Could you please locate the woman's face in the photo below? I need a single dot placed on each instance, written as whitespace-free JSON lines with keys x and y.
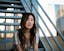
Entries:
{"x":30,"y":22}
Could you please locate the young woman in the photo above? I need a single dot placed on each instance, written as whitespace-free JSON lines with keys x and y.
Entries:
{"x":26,"y":37}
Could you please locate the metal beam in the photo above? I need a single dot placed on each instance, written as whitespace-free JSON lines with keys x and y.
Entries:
{"x":12,"y":11}
{"x":10,"y":6}
{"x":9,"y":1}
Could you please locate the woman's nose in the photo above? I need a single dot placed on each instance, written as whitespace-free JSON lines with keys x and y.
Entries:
{"x":29,"y":21}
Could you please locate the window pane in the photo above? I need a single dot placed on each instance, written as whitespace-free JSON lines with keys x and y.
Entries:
{"x":9,"y":35}
{"x":2,"y":28}
{"x":10,"y":28}
{"x":9,"y":21}
{"x":2,"y":20}
{"x":9,"y":14}
{"x":2,"y":14}
{"x":2,"y":35}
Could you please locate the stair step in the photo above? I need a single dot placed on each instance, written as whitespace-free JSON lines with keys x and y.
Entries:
{"x":39,"y":49}
{"x":10,"y":24}
{"x":7,"y":31}
{"x":10,"y":17}
{"x":10,"y":6}
{"x":12,"y":11}
{"x":9,"y":1}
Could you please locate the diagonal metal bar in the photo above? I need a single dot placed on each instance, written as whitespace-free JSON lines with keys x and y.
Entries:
{"x":27,"y":5}
{"x":59,"y":46}
{"x":50,"y":44}
{"x":24,"y":3}
{"x":51,"y":22}
{"x":43,"y":44}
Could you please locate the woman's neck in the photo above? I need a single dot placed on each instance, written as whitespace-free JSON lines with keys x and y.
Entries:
{"x":27,"y":31}
{"x":27,"y":34}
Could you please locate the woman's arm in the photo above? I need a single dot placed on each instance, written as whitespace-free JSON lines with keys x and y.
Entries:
{"x":36,"y":41}
{"x":35,"y":47}
{"x":18,"y":47}
{"x":17,"y":42}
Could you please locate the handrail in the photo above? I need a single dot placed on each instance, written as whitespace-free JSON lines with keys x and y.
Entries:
{"x":24,"y":3}
{"x":51,"y":21}
{"x":60,"y":48}
{"x":27,"y":5}
{"x":43,"y":44}
{"x":46,"y":38}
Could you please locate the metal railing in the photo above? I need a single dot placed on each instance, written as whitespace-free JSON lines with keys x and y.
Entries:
{"x":51,"y":21}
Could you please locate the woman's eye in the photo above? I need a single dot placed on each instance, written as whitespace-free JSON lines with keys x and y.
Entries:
{"x":32,"y":19}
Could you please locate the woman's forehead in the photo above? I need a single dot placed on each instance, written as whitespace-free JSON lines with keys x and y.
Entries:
{"x":30,"y":16}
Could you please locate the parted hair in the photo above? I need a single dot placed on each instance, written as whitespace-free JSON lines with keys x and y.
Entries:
{"x":21,"y":31}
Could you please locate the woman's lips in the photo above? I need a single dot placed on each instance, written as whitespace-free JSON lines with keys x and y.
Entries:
{"x":29,"y":25}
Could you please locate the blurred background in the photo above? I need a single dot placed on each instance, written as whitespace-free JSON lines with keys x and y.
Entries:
{"x":49,"y":16}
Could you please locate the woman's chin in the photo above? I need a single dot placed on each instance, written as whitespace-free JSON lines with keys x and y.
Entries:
{"x":29,"y":27}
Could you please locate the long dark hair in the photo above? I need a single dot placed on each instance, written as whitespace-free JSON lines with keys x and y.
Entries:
{"x":22,"y":30}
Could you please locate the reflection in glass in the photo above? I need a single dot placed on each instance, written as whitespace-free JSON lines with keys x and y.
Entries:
{"x":9,"y":35}
{"x":2,"y":35}
{"x":9,"y":14}
{"x":10,"y":28}
{"x":2,"y":14}
{"x":2,"y":20}
{"x":9,"y":21}
{"x":2,"y":28}
{"x":18,"y":14}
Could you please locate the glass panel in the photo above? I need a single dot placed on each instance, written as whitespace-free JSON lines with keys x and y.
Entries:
{"x":2,"y":14}
{"x":19,"y":20}
{"x":2,"y":20}
{"x":9,"y":21}
{"x":59,"y":9}
{"x":9,"y":14}
{"x":18,"y":14}
{"x":17,"y":27}
{"x":2,"y":35}
{"x":10,"y":28}
{"x":2,"y":28}
{"x":9,"y":35}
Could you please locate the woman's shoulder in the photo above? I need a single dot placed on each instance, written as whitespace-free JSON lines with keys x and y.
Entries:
{"x":18,"y":29}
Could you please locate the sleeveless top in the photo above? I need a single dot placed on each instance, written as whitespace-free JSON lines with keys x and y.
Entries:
{"x":26,"y":45}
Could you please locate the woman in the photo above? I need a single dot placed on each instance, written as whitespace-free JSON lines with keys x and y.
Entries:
{"x":27,"y":34}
